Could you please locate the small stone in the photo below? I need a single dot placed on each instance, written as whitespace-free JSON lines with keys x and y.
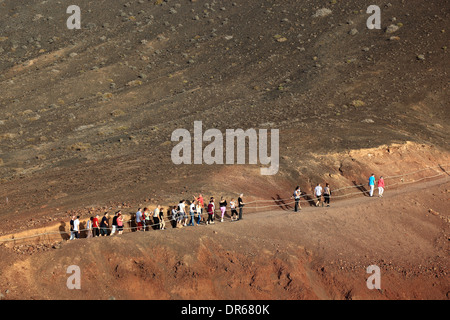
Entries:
{"x":392,"y":28}
{"x":420,"y":57}
{"x":353,"y":32}
{"x":322,"y":13}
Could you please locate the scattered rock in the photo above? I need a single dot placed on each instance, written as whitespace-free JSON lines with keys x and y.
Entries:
{"x":358,"y":103}
{"x":392,"y":28}
{"x":421,"y":57}
{"x":322,"y":13}
{"x":435,"y":213}
{"x":353,"y":32}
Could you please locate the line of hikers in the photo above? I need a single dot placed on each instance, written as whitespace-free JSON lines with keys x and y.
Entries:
{"x":190,"y":213}
{"x":320,"y":192}
{"x":186,"y":213}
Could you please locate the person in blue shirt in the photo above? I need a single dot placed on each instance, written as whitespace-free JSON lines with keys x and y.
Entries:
{"x":371,"y":184}
{"x":139,"y":223}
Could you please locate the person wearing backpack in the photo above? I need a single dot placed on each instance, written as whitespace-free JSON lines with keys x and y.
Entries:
{"x":296,"y":196}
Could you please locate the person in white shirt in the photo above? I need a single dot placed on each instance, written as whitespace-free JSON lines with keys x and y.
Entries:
{"x":233,"y":210}
{"x":192,"y":210}
{"x":297,"y":194}
{"x":198,"y":209}
{"x":183,"y":217}
{"x":318,"y":194}
{"x":76,"y":227}
{"x":156,"y":217}
{"x":175,"y":216}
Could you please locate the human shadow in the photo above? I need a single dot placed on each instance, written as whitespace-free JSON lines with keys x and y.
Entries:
{"x":132,"y":222}
{"x":311,"y":201}
{"x":83,"y":232}
{"x":281,"y":203}
{"x":62,"y":230}
{"x":361,"y":188}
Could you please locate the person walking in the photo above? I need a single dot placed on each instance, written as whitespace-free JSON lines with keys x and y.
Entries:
{"x":139,"y":220}
{"x":182,"y":212}
{"x":223,"y":207}
{"x":371,"y":184}
{"x":174,"y":216}
{"x":96,"y":226}
{"x":162,"y":223}
{"x":241,"y":205}
{"x":297,"y":195}
{"x":210,"y":212}
{"x":89,"y":228}
{"x":156,"y":217}
{"x":380,"y":186}
{"x":114,"y":224}
{"x":327,"y":194}
{"x":192,"y":211}
{"x":72,"y":233}
{"x":104,"y":225}
{"x":76,"y":227}
{"x":146,"y":219}
{"x":200,"y":201}
{"x":198,"y":210}
{"x":120,"y":222}
{"x":318,"y":194}
{"x":233,"y":210}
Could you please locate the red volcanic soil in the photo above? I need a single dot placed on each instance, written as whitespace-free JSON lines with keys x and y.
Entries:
{"x":86,"y":124}
{"x":318,"y":253}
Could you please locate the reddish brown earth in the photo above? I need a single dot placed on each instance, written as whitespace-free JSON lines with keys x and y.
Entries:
{"x":86,"y":118}
{"x":318,"y":253}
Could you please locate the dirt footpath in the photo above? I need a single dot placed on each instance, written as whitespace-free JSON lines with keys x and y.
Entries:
{"x":318,"y":253}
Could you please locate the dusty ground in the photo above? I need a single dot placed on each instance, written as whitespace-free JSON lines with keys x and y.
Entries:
{"x":86,"y":118}
{"x":318,"y":253}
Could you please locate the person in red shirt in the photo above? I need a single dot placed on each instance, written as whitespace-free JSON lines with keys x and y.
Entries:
{"x":200,"y":201}
{"x":380,"y":186}
{"x":96,"y":226}
{"x":210,"y":212}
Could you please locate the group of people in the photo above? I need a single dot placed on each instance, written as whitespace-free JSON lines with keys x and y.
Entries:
{"x":96,"y":227}
{"x":185,"y":213}
{"x":325,"y":192}
{"x":190,"y":213}
{"x":380,"y":184}
{"x":319,"y":192}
